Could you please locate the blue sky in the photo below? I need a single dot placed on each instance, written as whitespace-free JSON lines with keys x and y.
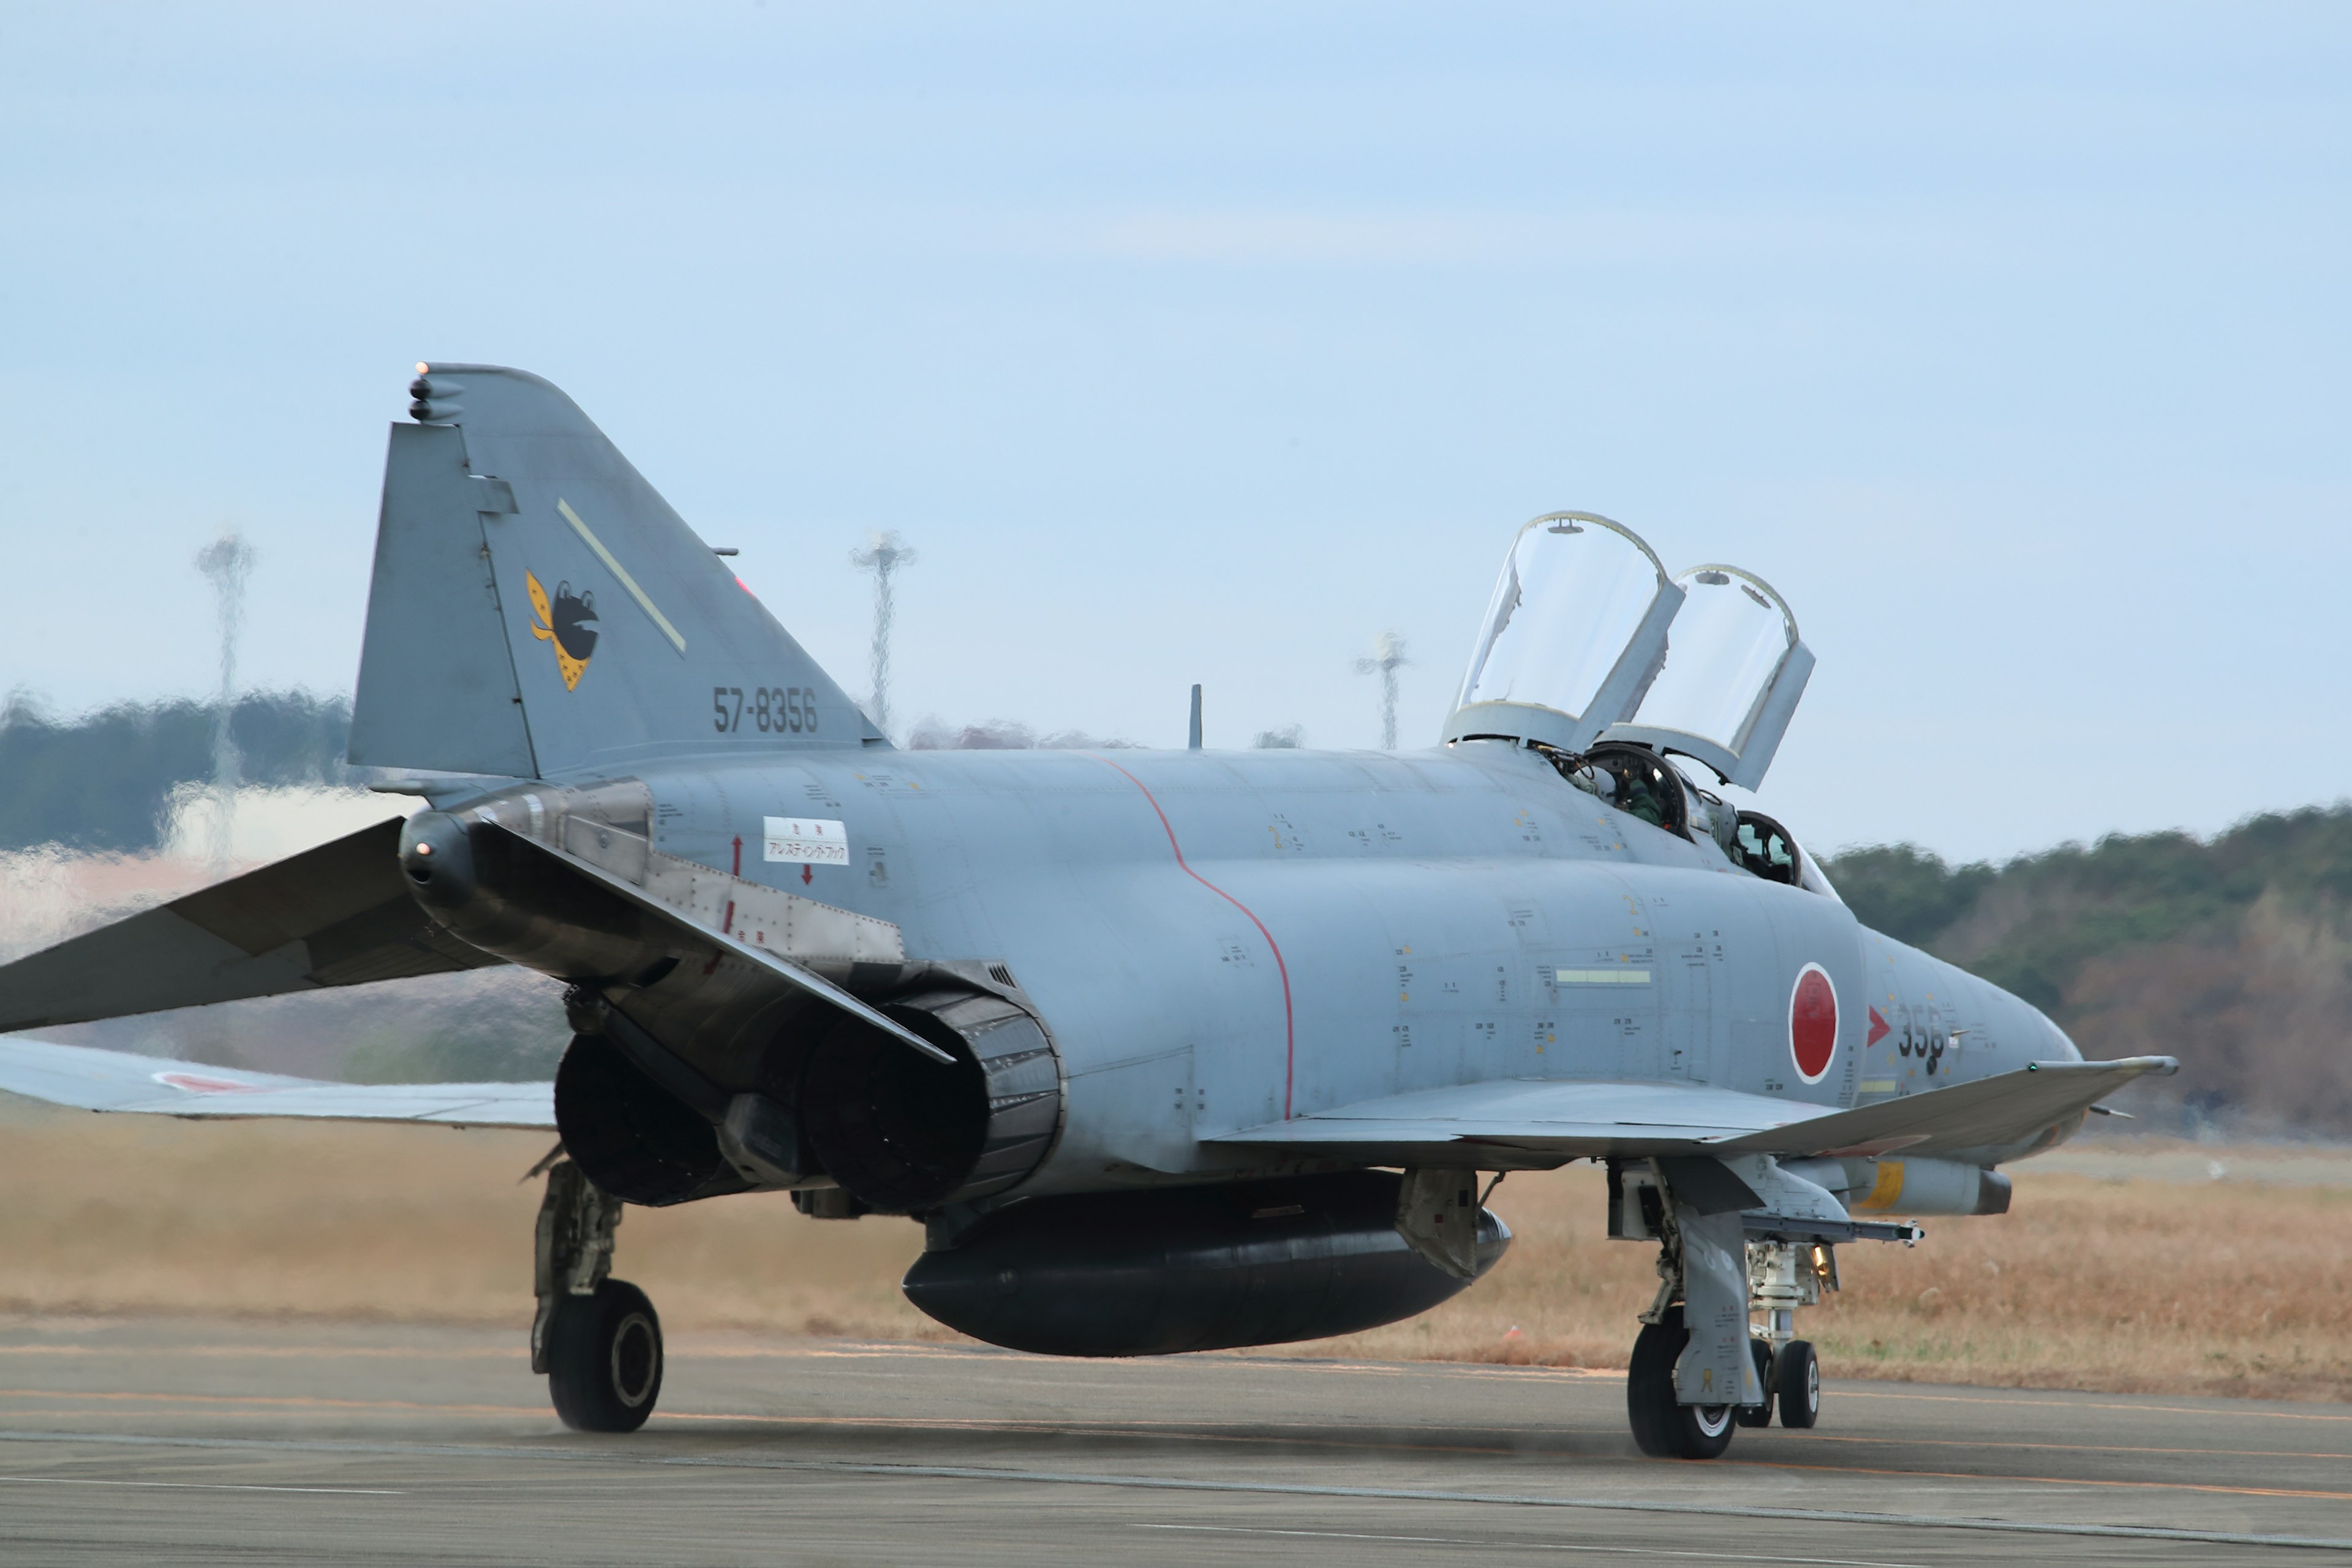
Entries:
{"x":2008,"y":343}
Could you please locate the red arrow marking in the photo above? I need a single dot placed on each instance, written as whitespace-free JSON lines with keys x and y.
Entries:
{"x":1878,"y":1027}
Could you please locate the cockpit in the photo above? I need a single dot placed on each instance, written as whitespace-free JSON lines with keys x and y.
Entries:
{"x":1631,"y":682}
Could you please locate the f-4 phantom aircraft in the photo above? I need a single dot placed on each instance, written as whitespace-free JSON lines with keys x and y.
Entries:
{"x":1168,"y":1050}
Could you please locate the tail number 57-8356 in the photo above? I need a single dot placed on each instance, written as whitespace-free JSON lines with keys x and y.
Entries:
{"x":773,"y":709}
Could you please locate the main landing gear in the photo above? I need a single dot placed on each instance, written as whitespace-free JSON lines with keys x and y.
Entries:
{"x":596,"y":1338}
{"x":1783,"y":1373}
{"x":1663,"y":1426}
{"x":1701,"y":1367}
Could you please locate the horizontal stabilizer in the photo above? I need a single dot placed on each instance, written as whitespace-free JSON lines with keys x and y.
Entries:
{"x":1523,"y":1121}
{"x":340,"y":914}
{"x":119,"y":1080}
{"x":786,"y":974}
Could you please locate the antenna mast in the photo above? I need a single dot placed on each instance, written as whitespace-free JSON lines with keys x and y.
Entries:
{"x":884,"y":555}
{"x":226,"y":561}
{"x":1388,"y":653}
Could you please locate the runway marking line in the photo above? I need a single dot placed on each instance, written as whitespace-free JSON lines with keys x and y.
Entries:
{"x":922,"y":1423}
{"x":882,"y":1351}
{"x":1168,"y":1429}
{"x":609,"y":1454}
{"x":272,"y":1353}
{"x":1055,"y":1428}
{"x":294,"y":1399}
{"x":197,"y":1486}
{"x":2037,"y":1480}
{"x":1534,"y":1545}
{"x":1910,"y":1442}
{"x":2092,"y":1402}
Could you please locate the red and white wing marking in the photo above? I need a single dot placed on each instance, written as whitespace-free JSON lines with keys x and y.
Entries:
{"x":121,"y":1080}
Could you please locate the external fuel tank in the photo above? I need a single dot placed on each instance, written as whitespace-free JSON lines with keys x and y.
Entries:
{"x":1191,"y":1268}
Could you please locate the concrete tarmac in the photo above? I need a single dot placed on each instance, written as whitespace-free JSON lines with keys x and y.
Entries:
{"x":202,"y":1441}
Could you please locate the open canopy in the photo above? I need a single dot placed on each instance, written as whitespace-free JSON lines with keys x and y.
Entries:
{"x":1573,"y":636}
{"x":1733,"y":675}
{"x":1575,"y":650}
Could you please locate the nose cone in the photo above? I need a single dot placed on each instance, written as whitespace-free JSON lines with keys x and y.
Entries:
{"x":437,"y":858}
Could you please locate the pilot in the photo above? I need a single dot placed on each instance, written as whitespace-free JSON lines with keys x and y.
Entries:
{"x":1637,"y":796}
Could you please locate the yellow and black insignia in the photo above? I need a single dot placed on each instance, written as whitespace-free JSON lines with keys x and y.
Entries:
{"x":570,"y":623}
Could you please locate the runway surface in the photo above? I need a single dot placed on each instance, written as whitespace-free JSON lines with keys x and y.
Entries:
{"x":198,"y":1442}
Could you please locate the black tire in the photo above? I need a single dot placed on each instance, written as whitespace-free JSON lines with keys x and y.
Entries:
{"x":604,"y":1359}
{"x":1797,"y":1384}
{"x":1760,"y":1414}
{"x":1650,"y":1387}
{"x":1664,"y":1428}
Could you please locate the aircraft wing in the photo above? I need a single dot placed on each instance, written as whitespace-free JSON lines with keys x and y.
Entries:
{"x":1517,"y":1122}
{"x":336,"y":915}
{"x":1569,"y":1117}
{"x":1983,"y":1113}
{"x":120,"y":1080}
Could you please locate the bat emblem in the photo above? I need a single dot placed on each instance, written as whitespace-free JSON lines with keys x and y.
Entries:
{"x":570,"y":623}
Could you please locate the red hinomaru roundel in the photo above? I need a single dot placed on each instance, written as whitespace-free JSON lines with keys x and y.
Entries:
{"x":1812,"y":1022}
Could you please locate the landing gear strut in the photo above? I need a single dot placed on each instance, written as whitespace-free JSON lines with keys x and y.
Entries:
{"x":1781,"y":1276}
{"x":596,"y":1338}
{"x":1692,"y":1369}
{"x":1701,"y":1367}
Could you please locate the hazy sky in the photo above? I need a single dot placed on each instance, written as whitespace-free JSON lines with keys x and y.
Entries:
{"x":2008,"y":343}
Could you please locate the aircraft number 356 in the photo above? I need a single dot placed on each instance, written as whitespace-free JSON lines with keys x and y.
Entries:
{"x":773,"y":709}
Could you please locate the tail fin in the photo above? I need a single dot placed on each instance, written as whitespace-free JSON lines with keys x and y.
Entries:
{"x":538,"y":608}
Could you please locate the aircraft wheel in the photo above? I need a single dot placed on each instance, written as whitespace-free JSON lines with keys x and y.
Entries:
{"x":604,"y":1359}
{"x":1760,"y":1414}
{"x":1797,"y":1381}
{"x":1663,"y":1428}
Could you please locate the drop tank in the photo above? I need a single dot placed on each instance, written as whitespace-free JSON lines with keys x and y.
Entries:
{"x":1193,"y":1269}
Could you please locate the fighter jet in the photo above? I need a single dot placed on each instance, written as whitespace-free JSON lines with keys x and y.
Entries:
{"x":1168,"y":1050}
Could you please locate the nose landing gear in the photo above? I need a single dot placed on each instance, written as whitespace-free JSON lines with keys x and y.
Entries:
{"x":596,"y":1338}
{"x":1796,"y":1384}
{"x":1783,"y":1276}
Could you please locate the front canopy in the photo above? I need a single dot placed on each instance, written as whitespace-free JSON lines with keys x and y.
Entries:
{"x":1573,"y":636}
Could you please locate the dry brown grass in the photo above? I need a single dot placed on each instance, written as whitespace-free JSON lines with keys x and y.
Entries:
{"x":144,"y":1215}
{"x":2092,"y":1282}
{"x":2133,"y":1286}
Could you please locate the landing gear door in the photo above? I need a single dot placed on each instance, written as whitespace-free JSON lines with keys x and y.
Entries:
{"x":1731,"y":679}
{"x":1574,"y":638}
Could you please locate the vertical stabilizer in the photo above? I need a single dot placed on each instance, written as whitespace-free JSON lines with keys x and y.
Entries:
{"x":538,"y":608}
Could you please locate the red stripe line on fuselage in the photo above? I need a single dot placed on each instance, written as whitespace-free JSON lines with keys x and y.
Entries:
{"x":1289,"y":1030}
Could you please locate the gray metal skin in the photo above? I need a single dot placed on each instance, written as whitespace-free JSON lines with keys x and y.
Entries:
{"x":1215,"y":941}
{"x":1222,"y":940}
{"x":1252,"y":963}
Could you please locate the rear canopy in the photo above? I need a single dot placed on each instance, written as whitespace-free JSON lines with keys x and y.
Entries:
{"x":1732,"y":676}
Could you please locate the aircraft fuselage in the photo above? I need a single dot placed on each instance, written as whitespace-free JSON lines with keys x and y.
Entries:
{"x":1218,"y":940}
